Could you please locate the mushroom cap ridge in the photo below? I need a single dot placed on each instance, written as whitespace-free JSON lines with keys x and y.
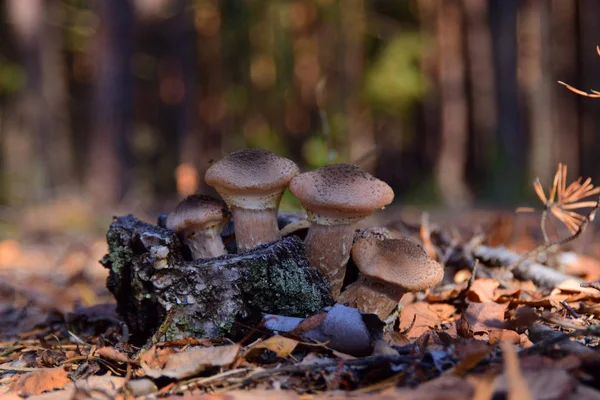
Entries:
{"x":253,"y":171}
{"x":197,"y":209}
{"x":398,"y":262}
{"x":341,"y":189}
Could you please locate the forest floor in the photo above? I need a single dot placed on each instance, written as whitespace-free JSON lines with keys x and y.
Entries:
{"x":465,"y":338}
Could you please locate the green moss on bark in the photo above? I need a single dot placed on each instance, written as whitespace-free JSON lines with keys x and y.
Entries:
{"x":285,"y":289}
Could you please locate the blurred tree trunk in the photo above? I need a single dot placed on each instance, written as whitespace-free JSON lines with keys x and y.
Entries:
{"x":452,"y":159}
{"x":565,"y":121}
{"x":589,"y":32}
{"x":510,"y":160}
{"x":429,"y":115}
{"x":107,"y":175}
{"x":329,"y":90}
{"x":46,"y":132}
{"x":299,"y":117}
{"x":535,"y":79}
{"x":176,"y":100}
{"x":360,"y":136}
{"x":481,"y":79}
{"x":211,"y":103}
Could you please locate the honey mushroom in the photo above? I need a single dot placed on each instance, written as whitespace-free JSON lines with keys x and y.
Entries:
{"x":388,"y":269}
{"x":336,"y":197}
{"x":252,"y":182}
{"x":198,"y":221}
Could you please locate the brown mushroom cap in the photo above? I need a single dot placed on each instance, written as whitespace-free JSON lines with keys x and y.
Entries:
{"x":251,"y":172}
{"x":198,"y":210}
{"x":397,"y":262}
{"x":339,"y":192}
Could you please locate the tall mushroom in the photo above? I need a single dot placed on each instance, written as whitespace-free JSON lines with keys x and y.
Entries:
{"x":198,"y":221}
{"x":387,"y":269}
{"x":252,"y":182}
{"x":335,"y":198}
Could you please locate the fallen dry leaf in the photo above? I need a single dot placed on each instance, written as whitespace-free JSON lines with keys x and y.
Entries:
{"x":574,"y":286}
{"x":110,"y":353}
{"x":483,"y":385}
{"x":11,"y":396}
{"x":244,"y":395}
{"x":427,"y":317}
{"x":445,"y":387}
{"x":542,"y":384}
{"x":396,"y":338}
{"x":40,"y":381}
{"x":504,"y":335}
{"x":581,"y":265}
{"x":470,"y":353}
{"x":482,"y":290}
{"x":281,"y":346}
{"x":516,"y":386}
{"x":191,"y":362}
{"x":479,"y":313}
{"x":94,"y":387}
{"x":156,"y":358}
{"x":525,"y":316}
{"x":463,"y":329}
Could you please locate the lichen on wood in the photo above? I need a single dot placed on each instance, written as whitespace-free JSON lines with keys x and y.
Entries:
{"x":151,"y":281}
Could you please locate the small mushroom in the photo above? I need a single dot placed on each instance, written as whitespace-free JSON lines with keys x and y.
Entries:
{"x":252,"y":182}
{"x":198,"y":221}
{"x":336,"y":197}
{"x":387,"y":269}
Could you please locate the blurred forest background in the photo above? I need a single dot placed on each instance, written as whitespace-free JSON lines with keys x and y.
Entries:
{"x":452,"y":102}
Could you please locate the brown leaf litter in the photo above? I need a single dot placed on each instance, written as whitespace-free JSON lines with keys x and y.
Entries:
{"x":484,"y":338}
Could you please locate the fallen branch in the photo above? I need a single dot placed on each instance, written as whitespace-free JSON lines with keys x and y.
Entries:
{"x":545,"y":338}
{"x":541,"y":275}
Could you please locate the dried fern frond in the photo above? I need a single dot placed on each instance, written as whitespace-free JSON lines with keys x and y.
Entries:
{"x":594,"y":93}
{"x":568,"y":198}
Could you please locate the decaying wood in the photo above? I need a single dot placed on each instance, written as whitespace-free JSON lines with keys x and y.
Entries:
{"x":153,"y":283}
{"x":539,"y":274}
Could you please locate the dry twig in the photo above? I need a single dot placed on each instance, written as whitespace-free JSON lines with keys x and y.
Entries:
{"x":594,"y":93}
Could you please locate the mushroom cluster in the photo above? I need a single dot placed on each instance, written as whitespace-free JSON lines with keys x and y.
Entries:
{"x":336,"y":197}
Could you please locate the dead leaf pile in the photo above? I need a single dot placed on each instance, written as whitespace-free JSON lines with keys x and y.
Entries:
{"x":493,"y":336}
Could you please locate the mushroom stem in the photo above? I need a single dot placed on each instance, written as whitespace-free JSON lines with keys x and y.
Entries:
{"x":371,"y":296}
{"x":204,"y":244}
{"x":328,"y":250}
{"x":254,"y":227}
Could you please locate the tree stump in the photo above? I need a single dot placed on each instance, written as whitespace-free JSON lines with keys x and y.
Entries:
{"x":155,"y":287}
